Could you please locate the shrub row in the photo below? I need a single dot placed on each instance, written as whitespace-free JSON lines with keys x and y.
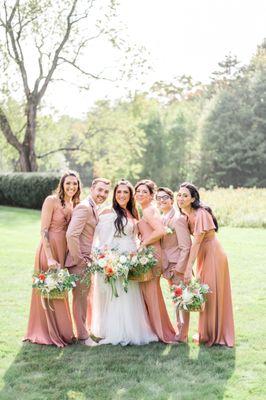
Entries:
{"x":27,"y":189}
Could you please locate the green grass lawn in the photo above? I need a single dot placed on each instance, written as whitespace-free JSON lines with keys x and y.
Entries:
{"x":155,"y":371}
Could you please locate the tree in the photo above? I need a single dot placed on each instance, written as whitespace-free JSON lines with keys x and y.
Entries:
{"x":57,"y":33}
{"x":180,"y":88}
{"x":113,"y":142}
{"x":234,"y":131}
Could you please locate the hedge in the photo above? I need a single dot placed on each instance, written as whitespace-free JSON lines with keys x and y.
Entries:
{"x":27,"y":189}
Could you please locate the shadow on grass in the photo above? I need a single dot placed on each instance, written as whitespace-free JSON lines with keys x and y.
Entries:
{"x":155,"y":371}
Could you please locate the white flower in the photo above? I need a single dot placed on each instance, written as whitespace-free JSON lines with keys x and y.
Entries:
{"x":102,"y":262}
{"x":50,"y":283}
{"x":123,"y":259}
{"x":187,"y":296}
{"x":134,"y":260}
{"x":36,"y":280}
{"x":74,"y":284}
{"x":143,"y":260}
{"x":61,"y":273}
{"x":205,"y":288}
{"x":169,"y":231}
{"x":150,"y":255}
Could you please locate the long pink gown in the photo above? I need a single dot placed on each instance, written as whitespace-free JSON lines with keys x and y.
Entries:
{"x":152,"y":294}
{"x":216,"y":323}
{"x":51,"y":324}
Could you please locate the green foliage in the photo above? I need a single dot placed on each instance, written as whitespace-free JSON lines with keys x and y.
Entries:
{"x":113,"y":142}
{"x":156,"y":371}
{"x":233,"y":147}
{"x":27,"y":189}
{"x":213,"y":135}
{"x":242,"y":207}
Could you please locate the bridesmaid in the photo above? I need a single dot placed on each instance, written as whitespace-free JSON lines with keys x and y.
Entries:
{"x":151,"y":231}
{"x":51,"y":323}
{"x":175,"y":251}
{"x":216,"y":324}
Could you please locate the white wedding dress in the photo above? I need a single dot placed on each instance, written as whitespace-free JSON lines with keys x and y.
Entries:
{"x":118,"y":320}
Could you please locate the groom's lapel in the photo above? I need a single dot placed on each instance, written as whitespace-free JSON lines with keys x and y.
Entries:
{"x":170,"y":216}
{"x":95,"y":212}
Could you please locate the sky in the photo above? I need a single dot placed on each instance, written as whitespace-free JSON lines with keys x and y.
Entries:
{"x":182,"y":37}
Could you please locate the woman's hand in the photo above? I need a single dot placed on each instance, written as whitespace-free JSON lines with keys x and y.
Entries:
{"x":187,"y":277}
{"x":53,"y":264}
{"x":141,"y":246}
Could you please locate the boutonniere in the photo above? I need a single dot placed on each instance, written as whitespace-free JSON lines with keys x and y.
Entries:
{"x":169,"y":230}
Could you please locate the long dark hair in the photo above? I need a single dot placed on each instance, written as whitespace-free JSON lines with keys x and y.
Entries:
{"x":121,"y":219}
{"x":60,"y":188}
{"x":197,"y":203}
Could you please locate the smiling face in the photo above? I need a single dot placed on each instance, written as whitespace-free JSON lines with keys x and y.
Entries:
{"x":164,"y":201}
{"x":70,"y":186}
{"x":122,"y":195}
{"x":99,"y":192}
{"x":184,"y":198}
{"x":143,"y":195}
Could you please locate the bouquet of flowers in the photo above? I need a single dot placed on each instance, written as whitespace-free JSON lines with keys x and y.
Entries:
{"x":112,"y":265}
{"x":190,"y":297}
{"x":54,"y":284}
{"x":142,"y":263}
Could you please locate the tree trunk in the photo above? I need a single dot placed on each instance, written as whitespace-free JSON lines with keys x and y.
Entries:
{"x":27,"y":156}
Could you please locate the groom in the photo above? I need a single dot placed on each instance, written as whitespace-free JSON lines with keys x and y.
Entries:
{"x":79,"y":237}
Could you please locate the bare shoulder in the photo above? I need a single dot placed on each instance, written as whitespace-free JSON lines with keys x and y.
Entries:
{"x":150,"y":212}
{"x":51,"y":201}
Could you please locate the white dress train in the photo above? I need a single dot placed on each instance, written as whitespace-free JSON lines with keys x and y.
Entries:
{"x":123,"y":319}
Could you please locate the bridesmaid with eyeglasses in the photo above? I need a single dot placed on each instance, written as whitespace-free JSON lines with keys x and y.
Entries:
{"x":175,"y":251}
{"x":216,"y":323}
{"x":151,"y":230}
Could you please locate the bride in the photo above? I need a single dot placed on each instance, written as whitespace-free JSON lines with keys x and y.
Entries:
{"x":123,"y":319}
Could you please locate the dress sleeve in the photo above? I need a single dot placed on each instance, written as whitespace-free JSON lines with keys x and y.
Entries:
{"x":203,"y":222}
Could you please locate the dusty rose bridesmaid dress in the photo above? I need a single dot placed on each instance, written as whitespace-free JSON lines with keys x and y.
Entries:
{"x":216,"y":323}
{"x":152,"y":294}
{"x":52,"y":324}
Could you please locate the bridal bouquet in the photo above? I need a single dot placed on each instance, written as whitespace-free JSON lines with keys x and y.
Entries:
{"x":54,"y":284}
{"x":142,"y":263}
{"x":190,"y":297}
{"x":112,"y":265}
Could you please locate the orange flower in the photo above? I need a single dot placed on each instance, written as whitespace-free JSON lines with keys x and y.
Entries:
{"x":109,"y":271}
{"x":41,"y":277}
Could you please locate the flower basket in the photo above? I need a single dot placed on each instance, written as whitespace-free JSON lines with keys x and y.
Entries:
{"x":195,"y":309}
{"x":190,"y":298}
{"x":54,"y":284}
{"x":142,"y":264}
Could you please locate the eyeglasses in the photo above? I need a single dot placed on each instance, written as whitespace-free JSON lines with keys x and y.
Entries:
{"x":163,"y":198}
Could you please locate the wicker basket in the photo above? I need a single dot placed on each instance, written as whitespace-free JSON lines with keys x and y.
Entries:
{"x":53,"y":296}
{"x":147,"y":276}
{"x":199,"y":309}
